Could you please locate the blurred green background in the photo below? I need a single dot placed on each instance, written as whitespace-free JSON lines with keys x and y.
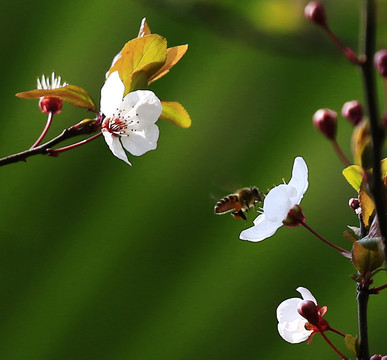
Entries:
{"x":100,"y":260}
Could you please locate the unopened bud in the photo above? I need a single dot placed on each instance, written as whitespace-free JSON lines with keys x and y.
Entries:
{"x":353,"y":111}
{"x":380,"y":62}
{"x":315,"y":12}
{"x":376,"y":357}
{"x":354,"y":203}
{"x":49,"y":104}
{"x":308,"y":310}
{"x":325,"y":121}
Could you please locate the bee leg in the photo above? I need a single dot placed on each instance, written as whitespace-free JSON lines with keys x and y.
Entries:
{"x":239,"y":215}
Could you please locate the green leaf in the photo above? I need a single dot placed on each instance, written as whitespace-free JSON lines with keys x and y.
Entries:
{"x":74,"y":95}
{"x":354,"y":175}
{"x":352,"y":344}
{"x":364,"y":259}
{"x":366,"y":203}
{"x":175,"y":113}
{"x":146,"y":54}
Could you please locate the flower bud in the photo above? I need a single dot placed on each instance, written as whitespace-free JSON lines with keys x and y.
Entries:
{"x":315,"y":12}
{"x":380,"y":62}
{"x":376,"y":357}
{"x":354,"y":204}
{"x":353,"y":111}
{"x":49,"y":104}
{"x":325,"y":121}
{"x":308,"y":309}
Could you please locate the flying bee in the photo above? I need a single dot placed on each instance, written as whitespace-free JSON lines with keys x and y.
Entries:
{"x":238,"y":203}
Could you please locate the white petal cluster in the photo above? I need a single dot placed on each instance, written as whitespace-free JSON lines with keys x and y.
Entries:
{"x":45,"y":83}
{"x":129,"y":121}
{"x":278,"y":202}
{"x":291,"y":325}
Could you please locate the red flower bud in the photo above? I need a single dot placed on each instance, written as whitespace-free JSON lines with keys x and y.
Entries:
{"x":315,"y":12}
{"x":376,"y":357}
{"x":325,"y":121}
{"x":353,"y":111}
{"x":380,"y":62}
{"x":354,"y":203}
{"x":49,"y":104}
{"x":309,"y":310}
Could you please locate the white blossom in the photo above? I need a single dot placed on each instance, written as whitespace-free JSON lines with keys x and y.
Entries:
{"x":129,"y":121}
{"x":277,"y":204}
{"x":291,"y":325}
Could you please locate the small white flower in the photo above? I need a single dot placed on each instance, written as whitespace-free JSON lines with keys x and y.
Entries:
{"x":278,"y":202}
{"x":130,"y":121}
{"x":45,"y":84}
{"x":291,"y":325}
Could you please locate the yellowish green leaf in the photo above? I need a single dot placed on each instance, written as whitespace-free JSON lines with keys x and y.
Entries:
{"x":175,"y":113}
{"x":147,"y":54}
{"x":361,"y":141}
{"x":366,"y":203}
{"x":174,"y":54}
{"x":354,"y":175}
{"x":144,"y":28}
{"x":74,"y":95}
{"x":352,"y":344}
{"x":367,"y":259}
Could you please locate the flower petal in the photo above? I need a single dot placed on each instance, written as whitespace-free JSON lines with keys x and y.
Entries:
{"x":278,"y":202}
{"x":294,"y":333}
{"x":111,"y":94}
{"x":261,"y":230}
{"x":306,"y":294}
{"x":142,"y":140}
{"x":299,"y":178}
{"x":115,"y":146}
{"x":287,"y":310}
{"x":145,"y":105}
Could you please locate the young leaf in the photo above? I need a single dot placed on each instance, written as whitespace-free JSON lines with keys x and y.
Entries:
{"x":175,"y":113}
{"x":366,"y":204}
{"x":147,"y":54}
{"x":74,"y":95}
{"x":361,"y":142}
{"x":354,"y":175}
{"x":352,"y":344}
{"x":174,"y":54}
{"x":144,"y":28}
{"x":364,"y":259}
{"x":350,"y":236}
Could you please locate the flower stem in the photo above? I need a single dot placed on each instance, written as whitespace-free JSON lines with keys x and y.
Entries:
{"x":333,"y":346}
{"x":336,"y":331}
{"x":362,"y":302}
{"x":82,"y":128}
{"x":342,"y":251}
{"x":44,"y":132}
{"x":340,"y":153}
{"x":56,"y":152}
{"x":347,"y":52}
{"x":377,"y":135}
